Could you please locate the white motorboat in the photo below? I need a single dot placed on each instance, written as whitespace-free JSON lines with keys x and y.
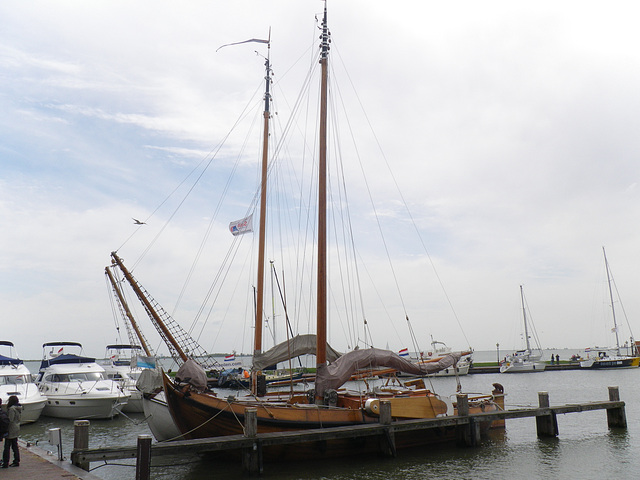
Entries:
{"x":16,"y":379}
{"x":75,"y":386}
{"x":121,"y":366}
{"x":438,"y":351}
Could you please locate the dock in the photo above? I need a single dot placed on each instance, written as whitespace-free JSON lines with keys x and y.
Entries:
{"x":249,"y":447}
{"x":37,"y":464}
{"x":548,"y":368}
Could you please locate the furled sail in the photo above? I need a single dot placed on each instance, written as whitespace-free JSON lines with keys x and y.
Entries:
{"x":334,"y":375}
{"x":294,"y":347}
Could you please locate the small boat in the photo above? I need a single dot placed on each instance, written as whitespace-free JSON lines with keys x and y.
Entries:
{"x":154,"y":404}
{"x":75,"y":386}
{"x":609,"y":357}
{"x":121,"y":366}
{"x":16,"y":379}
{"x":524,"y":360}
{"x":439,"y":350}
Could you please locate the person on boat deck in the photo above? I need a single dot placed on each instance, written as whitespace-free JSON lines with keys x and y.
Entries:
{"x":14,"y":411}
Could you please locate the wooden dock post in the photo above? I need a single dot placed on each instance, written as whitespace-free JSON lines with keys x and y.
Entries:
{"x":143,"y":457}
{"x":468,"y":435}
{"x":546,"y":425}
{"x":81,"y":440}
{"x":616,"y":417}
{"x":252,"y":456}
{"x":388,"y":444}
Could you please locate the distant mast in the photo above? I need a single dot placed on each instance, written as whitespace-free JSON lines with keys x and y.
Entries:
{"x":321,"y":333}
{"x":613,"y":310}
{"x":524,"y":315}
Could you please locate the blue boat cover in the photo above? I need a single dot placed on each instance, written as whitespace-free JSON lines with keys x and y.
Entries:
{"x":66,"y":358}
{"x":9,"y":361}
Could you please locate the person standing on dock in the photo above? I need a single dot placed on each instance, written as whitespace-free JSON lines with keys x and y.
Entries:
{"x":14,"y":411}
{"x":557,"y":359}
{"x":4,"y":422}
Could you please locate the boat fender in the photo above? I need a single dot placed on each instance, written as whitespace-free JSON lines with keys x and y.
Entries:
{"x":372,"y":406}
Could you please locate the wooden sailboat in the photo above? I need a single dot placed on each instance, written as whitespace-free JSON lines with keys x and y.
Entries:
{"x":526,"y":360}
{"x":610,"y":357}
{"x":200,"y":413}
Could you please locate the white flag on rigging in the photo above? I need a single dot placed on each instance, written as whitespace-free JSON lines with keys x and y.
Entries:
{"x":242,"y":226}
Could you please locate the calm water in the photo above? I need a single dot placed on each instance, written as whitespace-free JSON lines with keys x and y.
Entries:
{"x":584,"y":449}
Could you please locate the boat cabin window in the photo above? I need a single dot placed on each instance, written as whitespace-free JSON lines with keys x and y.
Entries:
{"x":73,"y":377}
{"x":83,"y":377}
{"x":14,"y":379}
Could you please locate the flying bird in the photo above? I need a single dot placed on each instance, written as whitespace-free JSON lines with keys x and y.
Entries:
{"x":138,"y":222}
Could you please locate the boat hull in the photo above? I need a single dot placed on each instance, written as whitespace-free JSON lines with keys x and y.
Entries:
{"x":29,"y":397}
{"x":16,"y":380}
{"x":79,"y":408}
{"x":625,"y":362}
{"x":205,"y":415}
{"x":159,"y":419}
{"x":452,"y":372}
{"x":522,"y":367}
{"x":134,"y":403}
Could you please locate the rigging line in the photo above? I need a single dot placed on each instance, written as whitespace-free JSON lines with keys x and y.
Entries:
{"x":211,"y":156}
{"x":232,"y":295}
{"x":349,"y":224}
{"x":399,"y":190}
{"x":624,"y":312}
{"x":286,"y":316}
{"x":211,"y":224}
{"x":112,"y":303}
{"x":221,"y":276}
{"x":375,"y":212}
{"x":251,"y":208}
{"x":383,"y":304}
{"x":531,"y":324}
{"x":347,"y":290}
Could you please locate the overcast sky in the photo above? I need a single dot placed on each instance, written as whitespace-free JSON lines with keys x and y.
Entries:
{"x":512,"y":131}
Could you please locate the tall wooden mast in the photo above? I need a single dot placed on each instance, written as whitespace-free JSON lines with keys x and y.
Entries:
{"x":257,"y":348}
{"x":321,"y":333}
